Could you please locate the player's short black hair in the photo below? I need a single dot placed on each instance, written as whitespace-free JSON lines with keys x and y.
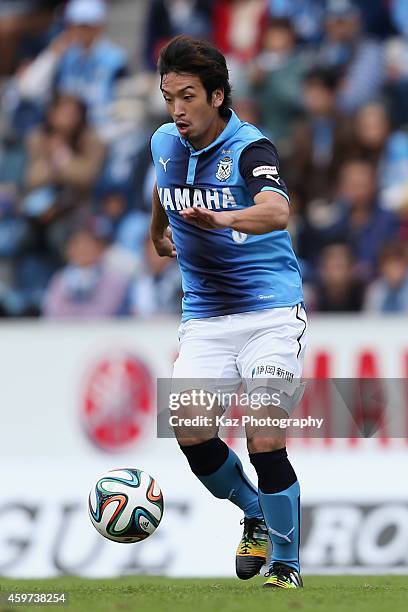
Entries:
{"x":184,"y":54}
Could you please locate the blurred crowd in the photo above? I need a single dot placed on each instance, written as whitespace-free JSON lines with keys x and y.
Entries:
{"x":326,"y":80}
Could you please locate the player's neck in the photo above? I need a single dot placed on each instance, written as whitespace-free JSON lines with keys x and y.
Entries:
{"x":211,"y":134}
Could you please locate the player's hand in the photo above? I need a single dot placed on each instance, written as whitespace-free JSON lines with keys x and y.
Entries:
{"x":164,"y":245}
{"x":207,"y":219}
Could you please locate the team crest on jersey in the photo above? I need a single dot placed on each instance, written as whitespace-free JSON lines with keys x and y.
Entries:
{"x":224,"y":168}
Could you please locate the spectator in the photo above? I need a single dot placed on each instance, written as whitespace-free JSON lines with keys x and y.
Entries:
{"x":91,"y":67}
{"x":20,"y":18}
{"x":65,"y":157}
{"x":128,"y":221}
{"x":13,"y":230}
{"x":127,"y":204}
{"x":389,"y":293}
{"x":168,"y":18}
{"x":307,"y":17}
{"x":80,"y":62}
{"x":86,"y":286}
{"x":375,"y":141}
{"x":359,"y":59}
{"x":276,"y":81}
{"x":319,"y":139}
{"x":12,"y":224}
{"x":157,"y":290}
{"x":123,"y":161}
{"x":396,"y":66}
{"x":31,"y":88}
{"x":355,"y":218}
{"x":12,"y":161}
{"x":396,"y":54}
{"x":338,"y":288}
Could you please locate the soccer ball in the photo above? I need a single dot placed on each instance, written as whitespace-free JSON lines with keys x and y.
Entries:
{"x":126,"y":505}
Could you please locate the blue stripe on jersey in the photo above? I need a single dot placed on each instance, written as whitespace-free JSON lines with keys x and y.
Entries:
{"x":285,"y":195}
{"x":192,"y":165}
{"x":223,"y":271}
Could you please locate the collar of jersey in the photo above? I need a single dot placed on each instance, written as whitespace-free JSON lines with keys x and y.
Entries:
{"x":233,"y":125}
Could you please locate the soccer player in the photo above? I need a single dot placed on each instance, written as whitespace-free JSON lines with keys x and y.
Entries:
{"x":222,"y":209}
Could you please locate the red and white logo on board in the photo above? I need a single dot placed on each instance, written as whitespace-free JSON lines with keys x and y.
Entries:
{"x":117,"y":405}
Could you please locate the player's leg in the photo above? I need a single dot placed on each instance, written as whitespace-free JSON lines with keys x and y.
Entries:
{"x":207,"y":353}
{"x":279,"y":496}
{"x":278,"y":342}
{"x":220,"y":470}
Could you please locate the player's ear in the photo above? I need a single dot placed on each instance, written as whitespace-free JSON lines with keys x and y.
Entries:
{"x":217,"y":98}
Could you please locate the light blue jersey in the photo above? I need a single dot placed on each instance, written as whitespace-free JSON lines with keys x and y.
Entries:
{"x":225,"y":271}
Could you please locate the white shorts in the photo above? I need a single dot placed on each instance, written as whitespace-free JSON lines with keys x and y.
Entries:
{"x":263,"y":344}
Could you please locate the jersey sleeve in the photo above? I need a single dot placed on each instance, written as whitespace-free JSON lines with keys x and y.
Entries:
{"x":259,"y":167}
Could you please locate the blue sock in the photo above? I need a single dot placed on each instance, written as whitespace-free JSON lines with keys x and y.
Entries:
{"x":230,"y":482}
{"x":279,"y":497}
{"x":282,"y":516}
{"x":221,"y":472}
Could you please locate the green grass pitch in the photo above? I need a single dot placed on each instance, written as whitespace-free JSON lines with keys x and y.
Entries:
{"x":150,"y":594}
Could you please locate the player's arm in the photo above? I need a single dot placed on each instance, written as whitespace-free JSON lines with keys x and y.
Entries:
{"x":270,"y":213}
{"x":160,"y":231}
{"x":259,"y":166}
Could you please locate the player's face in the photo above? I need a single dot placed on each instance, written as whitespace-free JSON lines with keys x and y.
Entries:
{"x":187,"y":102}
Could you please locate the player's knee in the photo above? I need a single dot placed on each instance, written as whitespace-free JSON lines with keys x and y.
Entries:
{"x":205,"y":457}
{"x":265,"y":445}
